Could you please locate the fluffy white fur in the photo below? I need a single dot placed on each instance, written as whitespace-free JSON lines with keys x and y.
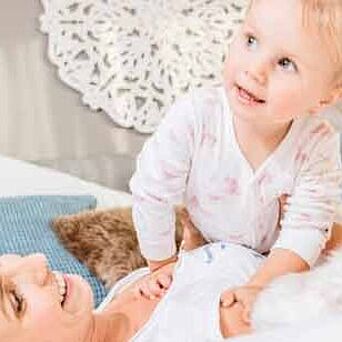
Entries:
{"x":301,"y":297}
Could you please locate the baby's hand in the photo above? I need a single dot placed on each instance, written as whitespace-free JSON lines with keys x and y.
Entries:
{"x":156,"y":283}
{"x":246,"y":295}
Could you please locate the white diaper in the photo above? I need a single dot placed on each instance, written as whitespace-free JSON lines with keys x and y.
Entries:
{"x":190,"y":309}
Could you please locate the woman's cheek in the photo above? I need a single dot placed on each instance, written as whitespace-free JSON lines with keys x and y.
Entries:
{"x":43,"y":309}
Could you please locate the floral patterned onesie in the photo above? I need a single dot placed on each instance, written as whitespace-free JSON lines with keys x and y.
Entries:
{"x":194,"y":158}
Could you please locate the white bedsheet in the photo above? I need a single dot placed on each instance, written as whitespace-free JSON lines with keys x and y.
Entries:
{"x":22,"y":178}
{"x":327,"y":329}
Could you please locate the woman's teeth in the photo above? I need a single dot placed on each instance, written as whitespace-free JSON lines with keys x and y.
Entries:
{"x":62,"y":288}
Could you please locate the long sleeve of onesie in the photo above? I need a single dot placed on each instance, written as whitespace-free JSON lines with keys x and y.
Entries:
{"x":310,"y":213}
{"x":160,"y":179}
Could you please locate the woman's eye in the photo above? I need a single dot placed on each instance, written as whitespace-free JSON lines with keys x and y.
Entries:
{"x":251,"y":41}
{"x":18,"y":302}
{"x":287,"y":64}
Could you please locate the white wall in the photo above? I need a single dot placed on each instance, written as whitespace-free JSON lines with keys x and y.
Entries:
{"x":43,"y":120}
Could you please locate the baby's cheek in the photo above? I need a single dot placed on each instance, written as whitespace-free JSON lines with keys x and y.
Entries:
{"x":286,"y":103}
{"x":230,"y":69}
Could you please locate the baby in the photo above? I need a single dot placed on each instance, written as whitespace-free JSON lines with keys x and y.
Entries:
{"x":231,"y":153}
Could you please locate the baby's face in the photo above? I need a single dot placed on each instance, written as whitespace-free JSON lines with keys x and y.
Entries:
{"x":277,"y":69}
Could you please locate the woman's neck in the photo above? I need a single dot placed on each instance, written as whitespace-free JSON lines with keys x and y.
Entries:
{"x":109,"y":328}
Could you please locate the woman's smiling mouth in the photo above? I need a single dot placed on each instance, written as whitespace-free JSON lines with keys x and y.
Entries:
{"x":62,"y":287}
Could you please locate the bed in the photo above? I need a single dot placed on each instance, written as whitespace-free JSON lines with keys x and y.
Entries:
{"x":31,"y":197}
{"x":19,"y":178}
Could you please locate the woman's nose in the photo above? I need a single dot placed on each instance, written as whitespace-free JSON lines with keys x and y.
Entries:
{"x":34,"y":268}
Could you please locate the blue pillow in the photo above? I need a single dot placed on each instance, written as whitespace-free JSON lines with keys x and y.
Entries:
{"x":25,"y":228}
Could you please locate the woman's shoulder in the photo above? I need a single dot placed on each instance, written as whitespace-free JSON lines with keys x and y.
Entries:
{"x":121,"y":285}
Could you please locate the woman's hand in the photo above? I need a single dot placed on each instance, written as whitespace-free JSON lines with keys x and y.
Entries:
{"x":156,"y":283}
{"x":246,"y":295}
{"x":231,"y":322}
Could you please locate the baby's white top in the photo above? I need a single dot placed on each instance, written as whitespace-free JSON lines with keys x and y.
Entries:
{"x":194,"y":158}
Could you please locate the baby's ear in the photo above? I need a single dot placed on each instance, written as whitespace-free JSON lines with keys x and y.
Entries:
{"x":334,"y":96}
{"x":331,"y":99}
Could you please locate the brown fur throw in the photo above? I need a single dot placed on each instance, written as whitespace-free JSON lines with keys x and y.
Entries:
{"x":105,"y":240}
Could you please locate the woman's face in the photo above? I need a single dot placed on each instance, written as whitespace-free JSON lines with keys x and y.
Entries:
{"x":39,"y":305}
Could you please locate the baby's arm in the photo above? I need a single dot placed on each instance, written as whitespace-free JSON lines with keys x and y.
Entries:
{"x":311,"y":209}
{"x":310,"y":212}
{"x":157,"y":283}
{"x":279,"y":262}
{"x":307,"y":220}
{"x":159,"y":183}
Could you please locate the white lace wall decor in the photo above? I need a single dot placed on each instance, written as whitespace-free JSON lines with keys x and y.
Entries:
{"x":132,"y":58}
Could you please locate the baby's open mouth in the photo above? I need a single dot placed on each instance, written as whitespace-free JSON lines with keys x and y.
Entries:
{"x":62,"y":287}
{"x":248,"y":96}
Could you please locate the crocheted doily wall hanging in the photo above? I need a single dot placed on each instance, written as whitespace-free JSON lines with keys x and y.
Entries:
{"x":132,"y":58}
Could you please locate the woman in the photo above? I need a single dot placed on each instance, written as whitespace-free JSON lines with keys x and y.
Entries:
{"x":39,"y":305}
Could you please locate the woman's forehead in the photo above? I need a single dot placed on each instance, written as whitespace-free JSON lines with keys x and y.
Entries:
{"x":7,"y":261}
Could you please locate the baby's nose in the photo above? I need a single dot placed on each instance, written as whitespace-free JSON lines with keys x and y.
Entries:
{"x":258,"y":71}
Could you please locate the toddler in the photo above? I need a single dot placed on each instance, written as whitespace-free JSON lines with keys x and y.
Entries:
{"x":229,"y":153}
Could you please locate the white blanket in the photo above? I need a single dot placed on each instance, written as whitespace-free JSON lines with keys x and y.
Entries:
{"x":327,"y":329}
{"x":19,"y":178}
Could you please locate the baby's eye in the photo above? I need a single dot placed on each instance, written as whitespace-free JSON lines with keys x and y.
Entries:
{"x":251,"y":41}
{"x":287,"y":64}
{"x":18,"y":303}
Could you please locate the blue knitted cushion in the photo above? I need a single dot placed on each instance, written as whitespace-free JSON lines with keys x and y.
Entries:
{"x":25,"y":228}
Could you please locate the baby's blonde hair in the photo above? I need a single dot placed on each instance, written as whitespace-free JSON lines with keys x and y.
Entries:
{"x":326,"y":17}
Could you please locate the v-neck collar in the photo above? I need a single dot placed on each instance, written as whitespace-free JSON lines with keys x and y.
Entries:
{"x":276,"y":154}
